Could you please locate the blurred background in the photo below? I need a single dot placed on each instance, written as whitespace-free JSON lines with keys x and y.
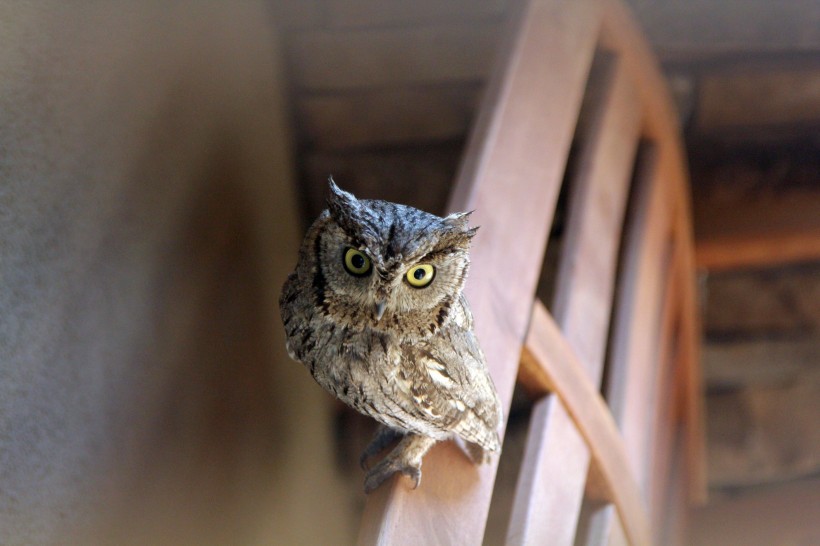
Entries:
{"x":159,"y":163}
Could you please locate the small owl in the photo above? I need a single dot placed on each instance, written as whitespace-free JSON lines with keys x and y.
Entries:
{"x":375,"y":311}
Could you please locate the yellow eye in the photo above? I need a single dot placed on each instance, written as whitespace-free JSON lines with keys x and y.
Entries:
{"x":356,"y":263}
{"x":421,"y":275}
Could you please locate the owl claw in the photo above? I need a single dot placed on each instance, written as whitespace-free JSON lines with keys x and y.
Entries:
{"x":405,"y":458}
{"x":386,"y":469}
{"x":384,"y":437}
{"x":364,"y":463}
{"x":414,"y":474}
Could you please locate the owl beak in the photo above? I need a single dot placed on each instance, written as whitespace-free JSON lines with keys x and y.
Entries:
{"x":378,"y":311}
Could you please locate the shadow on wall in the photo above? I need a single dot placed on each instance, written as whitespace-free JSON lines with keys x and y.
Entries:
{"x":147,"y":221}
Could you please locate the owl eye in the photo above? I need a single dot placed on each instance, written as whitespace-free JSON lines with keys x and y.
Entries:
{"x":421,"y":275}
{"x":356,"y":263}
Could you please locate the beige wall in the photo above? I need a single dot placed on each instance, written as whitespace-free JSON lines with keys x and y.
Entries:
{"x":147,"y":220}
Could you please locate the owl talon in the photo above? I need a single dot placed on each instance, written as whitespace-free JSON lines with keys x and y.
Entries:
{"x":414,"y":474}
{"x":386,"y":469}
{"x":384,"y":437}
{"x":364,"y":461}
{"x":405,"y":458}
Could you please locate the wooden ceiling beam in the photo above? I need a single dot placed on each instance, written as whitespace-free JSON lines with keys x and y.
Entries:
{"x":770,"y":230}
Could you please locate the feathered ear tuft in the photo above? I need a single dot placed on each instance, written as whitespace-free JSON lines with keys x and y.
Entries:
{"x":457,"y":232}
{"x":458,"y":220}
{"x":339,"y":202}
{"x":350,"y":214}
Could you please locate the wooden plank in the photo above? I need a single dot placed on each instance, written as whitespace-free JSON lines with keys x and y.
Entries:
{"x":617,"y":536}
{"x":621,"y":33}
{"x":373,"y":13}
{"x":597,"y":201}
{"x":386,"y":116}
{"x":677,"y":526}
{"x":699,"y":28}
{"x":326,"y":60}
{"x":744,"y":99}
{"x":692,"y":400}
{"x":665,"y":405}
{"x":634,"y":327}
{"x":523,"y":134}
{"x":534,"y":519}
{"x":765,"y":231}
{"x":547,"y":349}
{"x":583,"y":301}
{"x":633,"y":355}
{"x":596,"y":511}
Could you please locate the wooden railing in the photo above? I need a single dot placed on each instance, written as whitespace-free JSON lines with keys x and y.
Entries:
{"x":613,"y":363}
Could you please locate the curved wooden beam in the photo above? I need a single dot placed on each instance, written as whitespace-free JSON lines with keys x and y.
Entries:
{"x":621,"y":33}
{"x":548,"y":364}
{"x":511,"y":175}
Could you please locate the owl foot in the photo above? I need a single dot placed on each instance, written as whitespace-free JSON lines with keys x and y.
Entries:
{"x":405,"y":458}
{"x":385,"y":469}
{"x":384,"y":437}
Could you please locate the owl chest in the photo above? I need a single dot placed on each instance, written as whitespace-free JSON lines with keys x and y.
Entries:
{"x":350,"y":364}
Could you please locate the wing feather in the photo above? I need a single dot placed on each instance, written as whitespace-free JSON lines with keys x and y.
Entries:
{"x":450,"y":386}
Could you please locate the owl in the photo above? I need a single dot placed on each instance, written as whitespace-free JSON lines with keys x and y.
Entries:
{"x":375,"y":311}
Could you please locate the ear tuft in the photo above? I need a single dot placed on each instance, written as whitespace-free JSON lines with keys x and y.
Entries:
{"x":338,"y":200}
{"x":458,"y":224}
{"x":458,"y":220}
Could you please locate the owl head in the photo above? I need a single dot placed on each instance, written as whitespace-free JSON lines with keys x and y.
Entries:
{"x":391,"y":263}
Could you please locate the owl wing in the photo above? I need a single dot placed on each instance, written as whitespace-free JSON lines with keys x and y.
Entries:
{"x":451,"y":388}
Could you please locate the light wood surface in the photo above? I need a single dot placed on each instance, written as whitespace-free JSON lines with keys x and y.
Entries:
{"x":583,"y":301}
{"x":548,"y":350}
{"x":513,"y":168}
{"x":662,"y":126}
{"x":517,"y":140}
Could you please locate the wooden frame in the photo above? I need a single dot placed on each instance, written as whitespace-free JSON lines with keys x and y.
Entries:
{"x":617,"y":451}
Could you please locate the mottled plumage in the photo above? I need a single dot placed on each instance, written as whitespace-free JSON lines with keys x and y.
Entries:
{"x":375,"y":311}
